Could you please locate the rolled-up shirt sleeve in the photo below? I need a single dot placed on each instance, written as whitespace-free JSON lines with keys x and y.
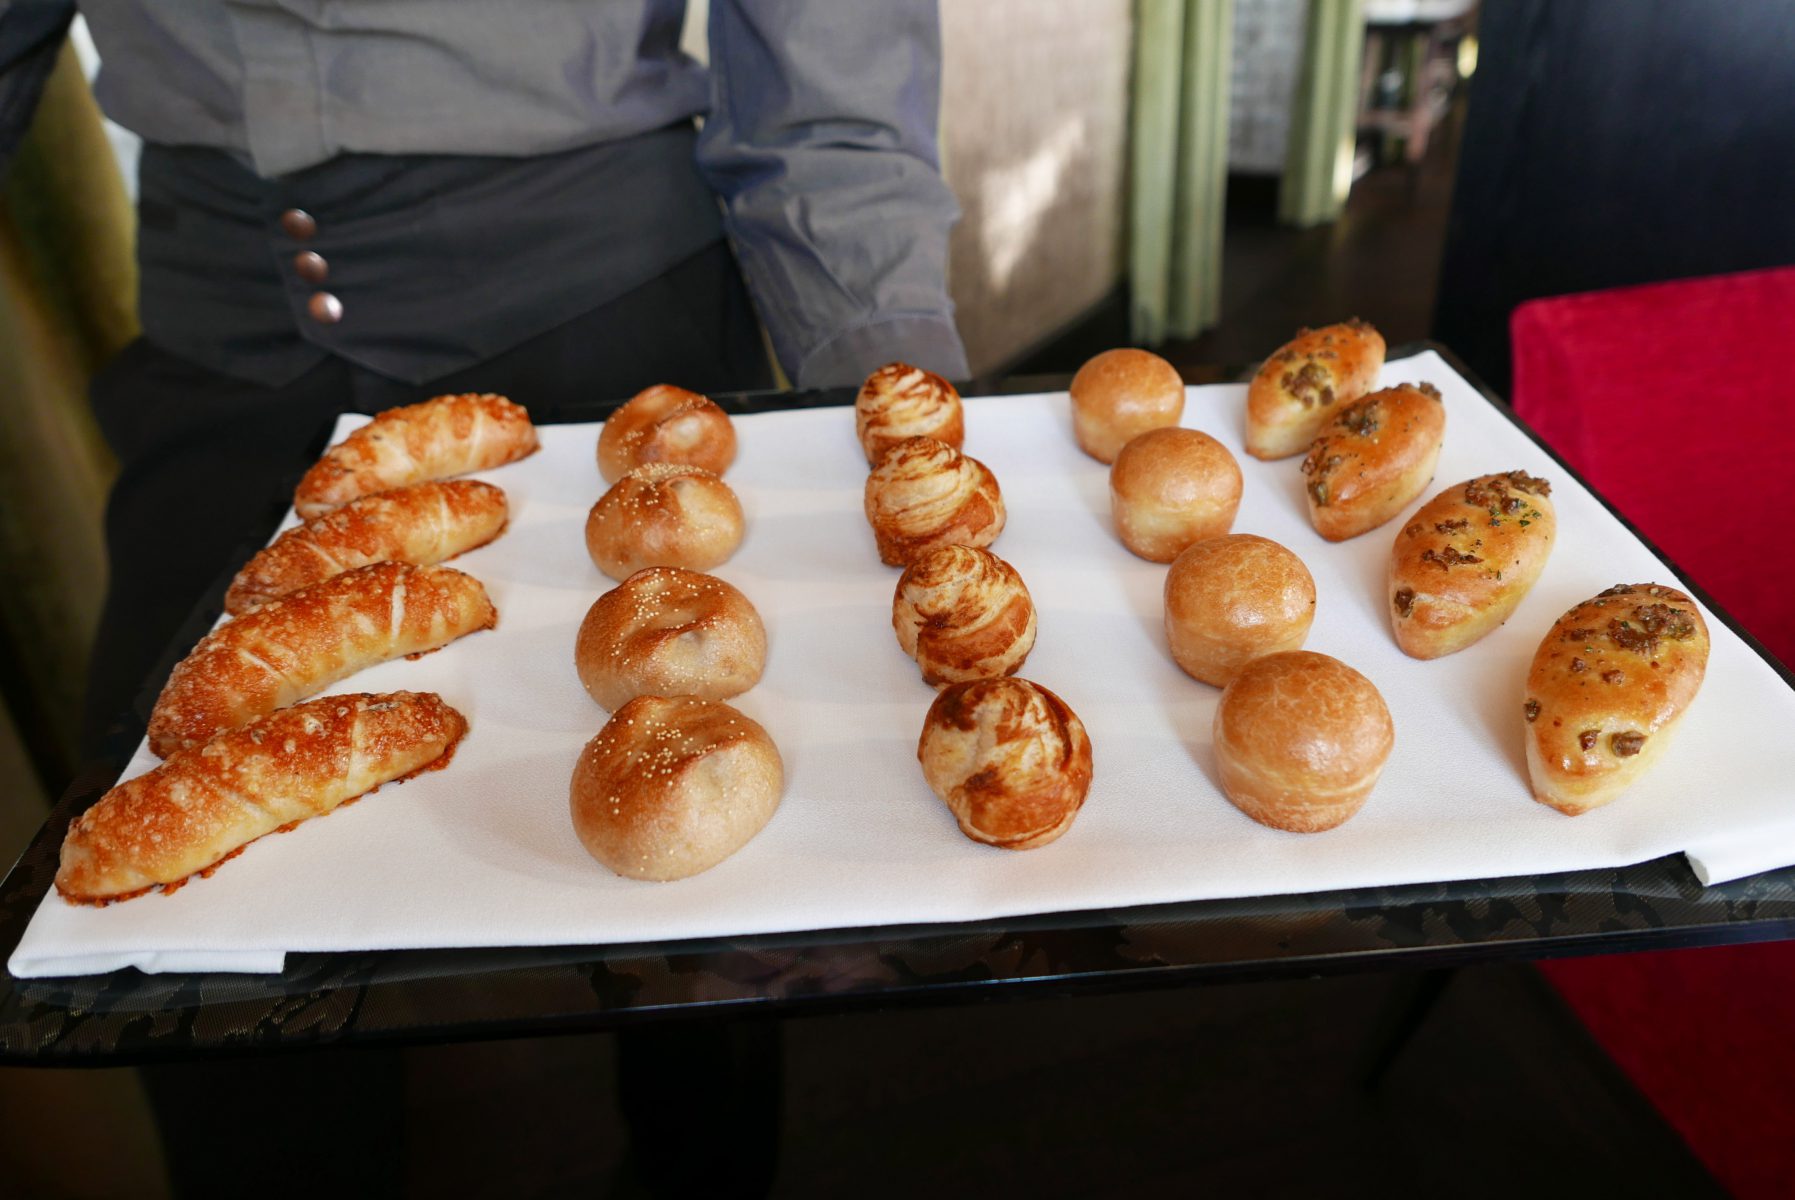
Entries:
{"x":821,"y":140}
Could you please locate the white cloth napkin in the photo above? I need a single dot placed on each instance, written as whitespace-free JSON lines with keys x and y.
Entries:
{"x":484,"y":854}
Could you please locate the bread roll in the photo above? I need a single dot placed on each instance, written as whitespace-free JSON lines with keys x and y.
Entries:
{"x":1232,"y":599}
{"x":1608,"y":686}
{"x":299,"y":645}
{"x":670,"y":632}
{"x":1170,"y":488}
{"x":1307,"y":381}
{"x":1300,"y":740}
{"x":203,"y":806}
{"x":924,"y":494}
{"x":1465,"y":560}
{"x":1119,"y":395}
{"x":665,"y":424}
{"x":664,"y":515}
{"x":899,"y":401}
{"x":963,"y":614}
{"x":440,"y":438}
{"x":423,"y":524}
{"x":673,"y":786}
{"x":1010,"y":760}
{"x":1373,"y":458}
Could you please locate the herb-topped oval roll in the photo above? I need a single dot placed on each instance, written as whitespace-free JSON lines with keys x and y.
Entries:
{"x":1373,"y":459}
{"x":1463,"y":563}
{"x":1608,"y":685}
{"x":1306,"y":382}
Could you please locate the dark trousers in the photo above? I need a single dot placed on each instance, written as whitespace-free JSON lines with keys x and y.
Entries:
{"x":208,"y":463}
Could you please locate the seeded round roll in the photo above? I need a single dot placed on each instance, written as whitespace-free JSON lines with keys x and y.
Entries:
{"x":899,"y":401}
{"x":665,"y":631}
{"x":1232,"y":599}
{"x":665,"y":424}
{"x":1119,"y":395}
{"x":924,"y":494}
{"x":664,"y":515}
{"x":1171,"y":488}
{"x":963,"y":613}
{"x":672,"y":786}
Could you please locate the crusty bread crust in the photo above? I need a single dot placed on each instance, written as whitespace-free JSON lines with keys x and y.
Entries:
{"x":299,"y":645}
{"x":1121,"y":394}
{"x":1462,"y":564}
{"x":423,"y":524}
{"x":899,"y":401}
{"x":1609,"y":684}
{"x":1373,"y":459}
{"x":203,"y":806}
{"x":1306,"y":381}
{"x":437,"y":439}
{"x":924,"y":494}
{"x":666,"y":424}
{"x":963,"y":613}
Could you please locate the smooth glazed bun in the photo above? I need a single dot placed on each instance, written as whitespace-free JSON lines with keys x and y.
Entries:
{"x":670,"y":632}
{"x":664,"y":515}
{"x":1232,"y":599}
{"x":673,"y":786}
{"x":1464,"y":561}
{"x":963,"y":614}
{"x":925,"y":494}
{"x":1308,"y":380}
{"x":1011,"y":761}
{"x":1607,"y":688}
{"x":899,"y":401}
{"x":1170,"y":488}
{"x":1119,"y":395}
{"x":1300,"y":739}
{"x":1375,"y":457}
{"x":665,"y":424}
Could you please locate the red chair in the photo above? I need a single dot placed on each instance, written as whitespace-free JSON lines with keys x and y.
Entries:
{"x":1677,"y":402}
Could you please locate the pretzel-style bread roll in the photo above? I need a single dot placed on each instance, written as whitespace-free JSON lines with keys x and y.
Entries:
{"x":900,"y":401}
{"x":962,"y":614}
{"x":665,"y":424}
{"x":1608,"y":686}
{"x":299,"y":645}
{"x":450,"y":435}
{"x":1373,"y":459}
{"x":423,"y":524}
{"x":1464,"y":562}
{"x":1306,"y":381}
{"x":925,"y":494}
{"x":202,"y":807}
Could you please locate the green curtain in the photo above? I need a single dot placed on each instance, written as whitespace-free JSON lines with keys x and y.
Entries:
{"x":1324,"y":114}
{"x":1178,"y":166}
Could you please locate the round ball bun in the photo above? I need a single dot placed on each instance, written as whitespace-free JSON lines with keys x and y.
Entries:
{"x":664,"y":515}
{"x":925,"y":494}
{"x":962,"y":614}
{"x":1121,"y":394}
{"x":1232,"y":599}
{"x":1301,"y":739}
{"x":672,"y":787}
{"x":665,"y":424}
{"x":665,"y":631}
{"x":900,"y":401}
{"x":1010,"y":760}
{"x":1171,"y":488}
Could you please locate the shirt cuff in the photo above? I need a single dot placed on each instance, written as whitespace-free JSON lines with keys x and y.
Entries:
{"x":846,"y":359}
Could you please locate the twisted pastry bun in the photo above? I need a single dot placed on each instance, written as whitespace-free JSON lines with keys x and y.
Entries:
{"x":664,"y":515}
{"x":673,"y":786}
{"x":1306,"y":381}
{"x":1373,"y":458}
{"x":925,"y":494}
{"x":450,"y":435}
{"x":204,"y":806}
{"x":1119,"y":395}
{"x":1009,"y":758}
{"x":900,"y":401}
{"x":299,"y":645}
{"x":1170,"y":488}
{"x":665,"y":424}
{"x":1301,"y":739}
{"x":963,"y":614}
{"x":1232,"y":599}
{"x":665,"y":631}
{"x":423,"y":524}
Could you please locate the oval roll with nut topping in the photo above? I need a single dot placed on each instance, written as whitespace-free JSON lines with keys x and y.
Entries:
{"x":1373,"y":459}
{"x":1308,"y":380}
{"x":1463,"y":563}
{"x":1608,"y":686}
